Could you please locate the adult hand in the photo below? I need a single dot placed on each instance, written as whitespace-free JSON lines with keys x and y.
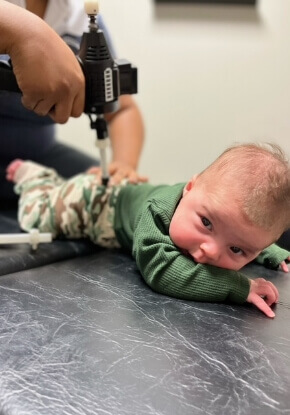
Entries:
{"x":119,"y":171}
{"x":47,"y":72}
{"x":263,"y":294}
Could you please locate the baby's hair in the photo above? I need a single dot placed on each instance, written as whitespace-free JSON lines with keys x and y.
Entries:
{"x":258,"y":174}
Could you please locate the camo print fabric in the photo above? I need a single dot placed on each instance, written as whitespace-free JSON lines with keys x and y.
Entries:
{"x":75,"y":208}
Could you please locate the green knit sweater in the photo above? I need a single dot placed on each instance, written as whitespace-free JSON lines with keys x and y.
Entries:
{"x":143,"y":215}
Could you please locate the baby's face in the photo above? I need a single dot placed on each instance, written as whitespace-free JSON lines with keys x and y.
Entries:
{"x":214,"y":231}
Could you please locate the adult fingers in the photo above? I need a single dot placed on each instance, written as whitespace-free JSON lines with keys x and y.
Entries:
{"x":134,"y":177}
{"x":30,"y":102}
{"x":117,"y":177}
{"x":43,"y":107}
{"x":61,"y":111}
{"x":94,"y":170}
{"x":142,"y":179}
{"x":78,"y":104}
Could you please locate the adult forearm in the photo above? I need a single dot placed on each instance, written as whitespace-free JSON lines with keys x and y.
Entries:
{"x":127,"y":132}
{"x":13,"y":20}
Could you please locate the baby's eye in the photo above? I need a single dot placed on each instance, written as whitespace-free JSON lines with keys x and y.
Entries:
{"x":206,"y":222}
{"x":237,"y":250}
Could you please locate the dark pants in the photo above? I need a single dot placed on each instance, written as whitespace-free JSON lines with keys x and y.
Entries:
{"x":284,"y":241}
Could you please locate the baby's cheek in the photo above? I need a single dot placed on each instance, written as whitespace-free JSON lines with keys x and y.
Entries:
{"x":178,"y":236}
{"x":239,"y":265}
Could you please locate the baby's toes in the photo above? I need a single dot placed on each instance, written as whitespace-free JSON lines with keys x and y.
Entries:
{"x":12,"y":168}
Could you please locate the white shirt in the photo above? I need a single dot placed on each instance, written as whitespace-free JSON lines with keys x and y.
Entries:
{"x":64,"y":16}
{"x":68,"y":17}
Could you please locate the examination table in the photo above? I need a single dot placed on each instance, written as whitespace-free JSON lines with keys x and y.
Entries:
{"x":81,"y":333}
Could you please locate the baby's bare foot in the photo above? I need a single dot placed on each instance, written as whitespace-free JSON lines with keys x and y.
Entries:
{"x":12,"y":168}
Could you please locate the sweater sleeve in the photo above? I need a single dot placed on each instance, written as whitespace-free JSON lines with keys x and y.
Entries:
{"x":168,"y":271}
{"x":272,"y":256}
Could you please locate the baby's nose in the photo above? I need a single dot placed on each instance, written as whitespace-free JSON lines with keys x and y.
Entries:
{"x":211,"y":250}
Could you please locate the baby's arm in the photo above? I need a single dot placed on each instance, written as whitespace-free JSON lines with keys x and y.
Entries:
{"x":168,"y":271}
{"x":273,"y":257}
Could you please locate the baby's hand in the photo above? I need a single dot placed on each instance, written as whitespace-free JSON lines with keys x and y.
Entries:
{"x":263,"y":294}
{"x":284,"y":265}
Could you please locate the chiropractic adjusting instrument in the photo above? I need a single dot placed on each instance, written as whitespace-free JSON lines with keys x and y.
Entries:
{"x":105,"y":80}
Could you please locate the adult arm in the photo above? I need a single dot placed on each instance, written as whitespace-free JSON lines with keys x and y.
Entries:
{"x":127,"y":136}
{"x":38,"y":53}
{"x":126,"y":131}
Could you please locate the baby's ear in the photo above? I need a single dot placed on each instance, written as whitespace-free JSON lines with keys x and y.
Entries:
{"x":189,"y":185}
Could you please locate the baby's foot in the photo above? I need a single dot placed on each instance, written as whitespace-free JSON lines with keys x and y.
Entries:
{"x":12,"y":168}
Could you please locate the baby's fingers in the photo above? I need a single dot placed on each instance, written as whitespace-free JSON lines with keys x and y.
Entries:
{"x":284,"y":266}
{"x":263,"y":294}
{"x":272,"y":294}
{"x":261,"y":305}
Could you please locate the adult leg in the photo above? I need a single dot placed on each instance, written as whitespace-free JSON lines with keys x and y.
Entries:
{"x":66,"y":160}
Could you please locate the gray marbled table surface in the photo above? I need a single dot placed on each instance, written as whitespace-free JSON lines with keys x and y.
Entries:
{"x":87,"y":336}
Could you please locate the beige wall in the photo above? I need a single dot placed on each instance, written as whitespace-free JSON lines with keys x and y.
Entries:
{"x":208,"y":76}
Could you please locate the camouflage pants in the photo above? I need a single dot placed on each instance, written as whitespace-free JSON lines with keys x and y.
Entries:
{"x":75,"y":208}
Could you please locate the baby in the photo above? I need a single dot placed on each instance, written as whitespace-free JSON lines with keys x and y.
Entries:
{"x":189,"y":240}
